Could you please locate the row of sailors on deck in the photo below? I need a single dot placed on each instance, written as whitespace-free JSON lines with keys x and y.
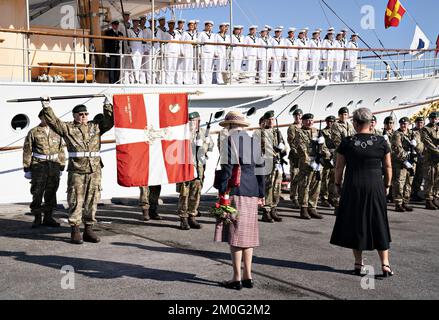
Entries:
{"x":175,"y":63}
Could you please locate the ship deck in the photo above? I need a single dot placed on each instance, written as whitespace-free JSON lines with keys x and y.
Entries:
{"x":154,"y":260}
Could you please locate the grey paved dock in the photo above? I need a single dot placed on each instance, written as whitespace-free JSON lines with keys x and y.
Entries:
{"x":155,"y":260}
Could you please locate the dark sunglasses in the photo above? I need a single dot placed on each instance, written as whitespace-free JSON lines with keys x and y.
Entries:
{"x":83,"y":114}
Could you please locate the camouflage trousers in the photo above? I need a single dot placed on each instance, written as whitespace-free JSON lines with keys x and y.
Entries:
{"x":273,"y":185}
{"x":401,"y":185}
{"x":44,"y":184}
{"x":309,"y":187}
{"x":294,"y":179}
{"x":83,"y":195}
{"x":431,"y":185}
{"x":190,"y":195}
{"x":419,"y":178}
{"x":328,"y":189}
{"x":149,"y":197}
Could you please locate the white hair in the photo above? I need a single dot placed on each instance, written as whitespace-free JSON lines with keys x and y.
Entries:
{"x":363,"y":116}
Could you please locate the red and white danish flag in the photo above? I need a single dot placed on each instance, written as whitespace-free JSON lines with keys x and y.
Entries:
{"x":153,"y":139}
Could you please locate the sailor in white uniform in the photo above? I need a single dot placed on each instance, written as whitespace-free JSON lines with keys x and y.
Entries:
{"x":180,"y":62}
{"x":303,"y":56}
{"x":351,"y":57}
{"x":189,"y":53}
{"x":207,"y":52}
{"x":237,"y":52}
{"x":222,"y":53}
{"x":290,"y":55}
{"x":328,"y":55}
{"x":251,"y":53}
{"x":269,"y":29}
{"x":160,"y":61}
{"x":126,"y":62}
{"x":150,"y":50}
{"x":344,"y":33}
{"x":339,"y":58}
{"x":307,"y":39}
{"x":264,"y":56}
{"x":278,"y":55}
{"x":173,"y":51}
{"x":137,"y":51}
{"x":315,"y":55}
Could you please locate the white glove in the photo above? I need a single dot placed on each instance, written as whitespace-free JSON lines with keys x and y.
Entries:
{"x":199,"y":143}
{"x":281,"y":147}
{"x":386,"y":137}
{"x":314,"y":166}
{"x":408,"y":165}
{"x":414,"y":143}
{"x":28,"y":175}
{"x":321,"y":140}
{"x":46,"y":101}
{"x":107,"y":55}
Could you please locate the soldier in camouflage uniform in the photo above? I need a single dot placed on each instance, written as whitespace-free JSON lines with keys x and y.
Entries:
{"x":328,"y":189}
{"x":405,"y":148}
{"x":273,"y":148}
{"x":43,"y":162}
{"x":294,"y":158}
{"x":374,"y":128}
{"x":430,"y":139}
{"x":312,"y":151}
{"x":419,"y":174}
{"x":83,"y":141}
{"x":341,"y":129}
{"x":190,"y":191}
{"x":387,"y":133}
{"x":149,"y":201}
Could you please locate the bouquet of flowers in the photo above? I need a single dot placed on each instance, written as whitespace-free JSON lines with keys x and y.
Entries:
{"x":224,"y":212}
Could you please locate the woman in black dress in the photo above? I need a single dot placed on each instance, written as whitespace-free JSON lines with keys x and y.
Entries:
{"x":362,"y":222}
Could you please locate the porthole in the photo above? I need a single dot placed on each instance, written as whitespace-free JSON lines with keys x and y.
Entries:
{"x":359,"y":103}
{"x":393,"y":100}
{"x":350,"y":104}
{"x":329,"y":106}
{"x":377,"y":101}
{"x":20,"y":122}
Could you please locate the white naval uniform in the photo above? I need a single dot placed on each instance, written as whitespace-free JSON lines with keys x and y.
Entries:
{"x":137,"y":52}
{"x":149,"y":50}
{"x":264,"y":58}
{"x":172,"y":52}
{"x":181,"y":62}
{"x":221,"y":57}
{"x":328,"y":58}
{"x":314,"y":58}
{"x":291,"y":57}
{"x":276,"y":61}
{"x":189,"y":57}
{"x":339,"y":61}
{"x":126,"y":61}
{"x":207,"y":55}
{"x":237,"y":56}
{"x":302,"y":61}
{"x":251,"y":55}
{"x":351,"y":60}
{"x":160,"y":61}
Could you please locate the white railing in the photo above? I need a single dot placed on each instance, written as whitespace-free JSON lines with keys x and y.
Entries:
{"x":158,"y":66}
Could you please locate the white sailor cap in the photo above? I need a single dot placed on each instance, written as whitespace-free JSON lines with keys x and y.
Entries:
{"x":127,"y":13}
{"x":279,"y":29}
{"x":264,"y":30}
{"x":208,"y":22}
{"x":344,"y":30}
{"x":191,"y":22}
{"x":135,"y":19}
{"x":268,"y":27}
{"x":161,"y":18}
{"x":181,"y":20}
{"x":331,"y":29}
{"x":171,"y":21}
{"x":331,"y":32}
{"x":238,"y":27}
{"x":306,"y":29}
{"x":319,"y":29}
{"x":355,"y":35}
{"x":316,"y":32}
{"x":223,"y":24}
{"x":197,"y":21}
{"x":302,"y":31}
{"x":291,"y":30}
{"x":339,"y":34}
{"x":253,"y":27}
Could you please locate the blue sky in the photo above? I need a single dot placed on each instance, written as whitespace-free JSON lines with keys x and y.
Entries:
{"x":308,"y":13}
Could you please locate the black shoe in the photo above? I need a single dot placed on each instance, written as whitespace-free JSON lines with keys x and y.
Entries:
{"x":184,"y":224}
{"x":387,"y":273}
{"x":234,"y":285}
{"x":249,"y":284}
{"x":154,"y":215}
{"x":399,"y":208}
{"x":37,"y":221}
{"x":48,"y":221}
{"x":407,"y":207}
{"x":193,"y":223}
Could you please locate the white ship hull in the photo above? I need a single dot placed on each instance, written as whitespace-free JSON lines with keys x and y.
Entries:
{"x":14,"y":188}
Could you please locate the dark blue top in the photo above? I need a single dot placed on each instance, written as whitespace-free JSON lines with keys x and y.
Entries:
{"x":250,"y":159}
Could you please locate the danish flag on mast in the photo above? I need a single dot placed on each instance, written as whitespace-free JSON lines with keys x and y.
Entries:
{"x":153,"y":140}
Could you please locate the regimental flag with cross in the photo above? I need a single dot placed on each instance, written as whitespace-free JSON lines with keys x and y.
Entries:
{"x":394,"y":13}
{"x":153,"y":139}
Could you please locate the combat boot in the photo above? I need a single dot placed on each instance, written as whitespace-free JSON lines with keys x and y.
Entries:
{"x":184,"y":224}
{"x":429,"y":205}
{"x":436,"y":203}
{"x":296,"y":204}
{"x":314,"y":214}
{"x":266,"y":216}
{"x":154,"y":215}
{"x":193,"y":223}
{"x":145,"y":213}
{"x":275,"y":216}
{"x":48,"y":221}
{"x":76,"y":235}
{"x":304,"y":213}
{"x":89,"y":235}
{"x":37,"y":221}
{"x":325,"y":204}
{"x":399,"y":208}
{"x":407,"y":207}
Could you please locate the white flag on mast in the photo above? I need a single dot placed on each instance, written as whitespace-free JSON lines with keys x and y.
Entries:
{"x":420,"y":42}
